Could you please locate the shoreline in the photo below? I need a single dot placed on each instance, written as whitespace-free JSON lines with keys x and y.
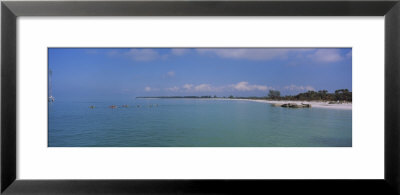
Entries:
{"x":314,"y":104}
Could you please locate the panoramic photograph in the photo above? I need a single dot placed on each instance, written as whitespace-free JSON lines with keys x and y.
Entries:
{"x":199,"y":97}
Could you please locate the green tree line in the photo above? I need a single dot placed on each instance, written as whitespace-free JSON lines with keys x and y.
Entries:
{"x":321,"y":95}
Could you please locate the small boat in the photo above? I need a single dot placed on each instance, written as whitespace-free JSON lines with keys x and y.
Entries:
{"x":113,"y":106}
{"x":51,"y":97}
{"x":125,"y":106}
{"x":91,"y":107}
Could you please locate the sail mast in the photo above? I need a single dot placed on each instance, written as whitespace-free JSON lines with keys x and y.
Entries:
{"x":51,"y":98}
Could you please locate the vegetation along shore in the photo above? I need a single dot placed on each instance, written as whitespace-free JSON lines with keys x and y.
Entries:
{"x":340,"y":99}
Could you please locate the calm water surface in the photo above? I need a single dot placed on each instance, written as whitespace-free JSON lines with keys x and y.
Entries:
{"x":195,"y":123}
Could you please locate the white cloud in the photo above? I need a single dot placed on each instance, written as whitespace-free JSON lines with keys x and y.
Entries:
{"x":249,"y":54}
{"x":203,"y":87}
{"x":326,"y":55}
{"x":187,"y":86}
{"x":195,"y":88}
{"x":241,"y":86}
{"x":244,"y":86}
{"x":179,"y":52}
{"x":296,"y":88}
{"x":149,"y":89}
{"x":143,"y":54}
{"x":174,"y":89}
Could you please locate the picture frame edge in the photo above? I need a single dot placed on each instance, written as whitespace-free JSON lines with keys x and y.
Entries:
{"x":10,"y":185}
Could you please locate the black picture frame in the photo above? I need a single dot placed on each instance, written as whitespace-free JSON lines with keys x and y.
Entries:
{"x":11,"y":10}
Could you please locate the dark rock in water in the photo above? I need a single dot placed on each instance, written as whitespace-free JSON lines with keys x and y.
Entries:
{"x":294,"y":105}
{"x":91,"y":107}
{"x":289,"y":105}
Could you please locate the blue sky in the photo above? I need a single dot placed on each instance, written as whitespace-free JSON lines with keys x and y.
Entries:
{"x":125,"y":73}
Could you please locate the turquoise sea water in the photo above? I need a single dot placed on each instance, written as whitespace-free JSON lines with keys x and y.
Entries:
{"x":195,"y":123}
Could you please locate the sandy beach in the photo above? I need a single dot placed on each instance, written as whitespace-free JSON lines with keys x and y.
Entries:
{"x":314,"y":104}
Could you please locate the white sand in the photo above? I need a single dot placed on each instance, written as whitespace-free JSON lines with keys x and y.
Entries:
{"x":314,"y":104}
